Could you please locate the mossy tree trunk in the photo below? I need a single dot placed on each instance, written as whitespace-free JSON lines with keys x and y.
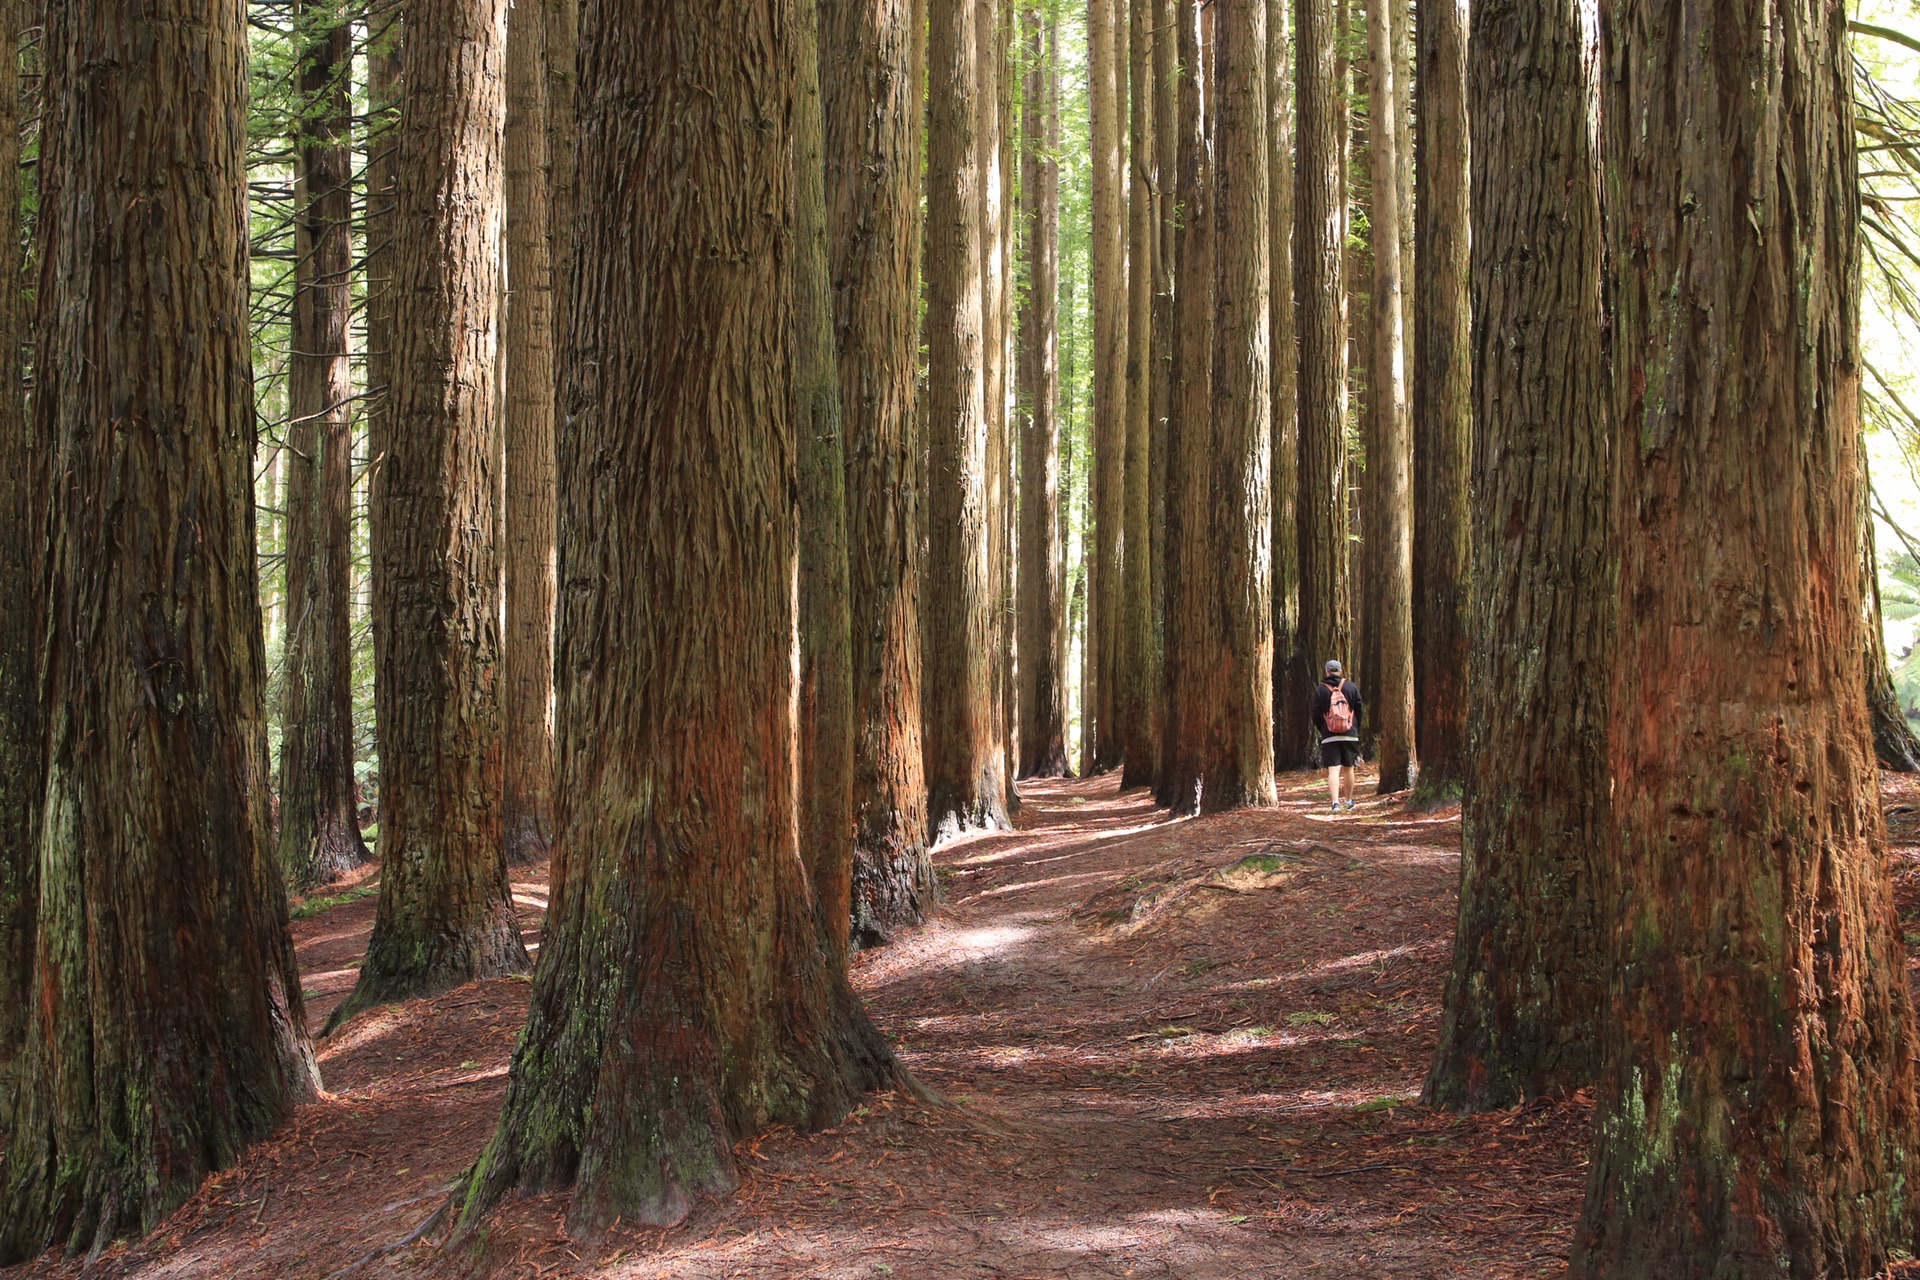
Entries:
{"x":1526,"y":995}
{"x":684,"y":999}
{"x":1756,"y":1116}
{"x":165,"y":1030}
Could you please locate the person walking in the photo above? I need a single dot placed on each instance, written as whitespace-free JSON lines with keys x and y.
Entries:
{"x":1336,"y":714}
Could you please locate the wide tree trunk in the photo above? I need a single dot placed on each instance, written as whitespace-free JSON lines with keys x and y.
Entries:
{"x":1319,"y":236}
{"x":1190,"y":443}
{"x":1285,"y":376}
{"x":1527,"y":990}
{"x":683,"y":1000}
{"x":966,"y":785}
{"x":445,"y":915}
{"x":1389,"y":492}
{"x":1757,"y":1112}
{"x":1103,"y":741}
{"x":531,"y":400}
{"x":22,"y":546}
{"x":1137,"y":669}
{"x":165,"y":1030}
{"x":870,"y":81}
{"x":1043,"y":723}
{"x":1442,"y":403}
{"x":1238,"y":761}
{"x":826,"y":696}
{"x":319,"y":835}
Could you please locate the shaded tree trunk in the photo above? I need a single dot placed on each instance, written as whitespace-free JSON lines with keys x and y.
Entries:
{"x":385,"y":31}
{"x":1139,"y":658}
{"x":1103,"y":739}
{"x":165,"y":1030}
{"x":1285,"y":381}
{"x":1165,"y":73}
{"x":994,"y":321}
{"x":826,"y":695}
{"x":1389,"y":495}
{"x":1442,"y":403}
{"x":1319,"y":233}
{"x":445,"y":915}
{"x":1526,"y":994}
{"x":1043,"y":724}
{"x":531,"y":402}
{"x":319,"y":836}
{"x":1007,"y":602}
{"x":1190,"y":442}
{"x":870,"y":85}
{"x":1239,"y":756}
{"x":1756,"y":1115}
{"x":683,"y":1000}
{"x":966,"y":787}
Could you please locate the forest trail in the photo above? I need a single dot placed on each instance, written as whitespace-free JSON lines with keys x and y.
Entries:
{"x":1157,"y":1072}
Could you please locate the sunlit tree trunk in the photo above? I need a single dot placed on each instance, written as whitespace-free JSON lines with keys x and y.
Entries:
{"x":1756,"y":1116}
{"x":1442,"y":402}
{"x":165,"y":1030}
{"x":445,"y":915}
{"x":1103,"y":742}
{"x":870,"y":86}
{"x":1043,"y":729}
{"x":994,"y":266}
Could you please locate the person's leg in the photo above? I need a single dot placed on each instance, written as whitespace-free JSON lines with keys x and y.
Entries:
{"x":1353,"y":792}
{"x":1333,"y":784}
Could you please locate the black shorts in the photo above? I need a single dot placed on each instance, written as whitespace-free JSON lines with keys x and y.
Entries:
{"x":1339,"y":755}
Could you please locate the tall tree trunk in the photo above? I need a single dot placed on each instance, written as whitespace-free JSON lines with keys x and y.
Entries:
{"x":23,"y":494}
{"x":683,"y":1000}
{"x":1106,"y":590}
{"x":1442,"y":403}
{"x":1239,"y":756}
{"x":319,"y":834}
{"x":1007,"y":602}
{"x":445,"y":914}
{"x":1285,"y":379}
{"x":1137,"y":671}
{"x":1757,"y":1112}
{"x":994,"y":265}
{"x":826,"y":696}
{"x":385,"y":29}
{"x":966,"y":787}
{"x":1319,"y":233}
{"x":531,"y":400}
{"x":870,"y":85}
{"x":1165,"y":71}
{"x":1389,"y":493}
{"x":1527,"y":990}
{"x":1043,"y":725}
{"x":165,"y":1029}
{"x":1189,"y":476}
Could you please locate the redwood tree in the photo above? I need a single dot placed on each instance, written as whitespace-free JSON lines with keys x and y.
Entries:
{"x":1757,"y":1113}
{"x":683,"y":1000}
{"x":1137,"y":669}
{"x":870,"y":87}
{"x":445,"y":914}
{"x":1042,"y":701}
{"x":319,"y":810}
{"x":1525,"y":998}
{"x":1102,"y":742}
{"x":165,"y":1030}
{"x":1285,"y":379}
{"x":1442,"y":401}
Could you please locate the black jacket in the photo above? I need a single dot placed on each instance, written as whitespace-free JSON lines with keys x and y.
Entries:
{"x":1323,"y":703}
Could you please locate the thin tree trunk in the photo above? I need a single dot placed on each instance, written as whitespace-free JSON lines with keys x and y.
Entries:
{"x":965,"y":784}
{"x":385,"y":29}
{"x":1007,"y":603}
{"x":994,"y":265}
{"x":1139,"y":660}
{"x":1166,"y":159}
{"x":1527,"y":990}
{"x":1239,"y":756}
{"x":1389,"y":493}
{"x":684,"y":1000}
{"x":445,"y":914}
{"x":1106,"y":591}
{"x":1043,"y":727}
{"x":826,"y":695}
{"x":1442,"y":404}
{"x":531,"y":400}
{"x":1761,"y":990}
{"x":165,"y":1031}
{"x":871,"y":81}
{"x":1319,"y":231}
{"x":1285,"y":360}
{"x":1189,"y":505}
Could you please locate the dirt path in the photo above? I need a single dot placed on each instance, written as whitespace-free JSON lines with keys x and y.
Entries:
{"x":1158,"y":1072}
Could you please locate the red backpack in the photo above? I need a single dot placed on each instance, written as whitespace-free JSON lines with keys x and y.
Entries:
{"x":1339,"y":714}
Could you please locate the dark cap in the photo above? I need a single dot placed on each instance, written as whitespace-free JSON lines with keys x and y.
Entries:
{"x":1333,"y":666}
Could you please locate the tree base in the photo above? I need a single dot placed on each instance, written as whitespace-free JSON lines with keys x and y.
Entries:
{"x":394,"y":972}
{"x":892,"y":890}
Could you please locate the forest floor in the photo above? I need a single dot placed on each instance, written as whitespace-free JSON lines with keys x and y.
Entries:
{"x":1175,"y":1049}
